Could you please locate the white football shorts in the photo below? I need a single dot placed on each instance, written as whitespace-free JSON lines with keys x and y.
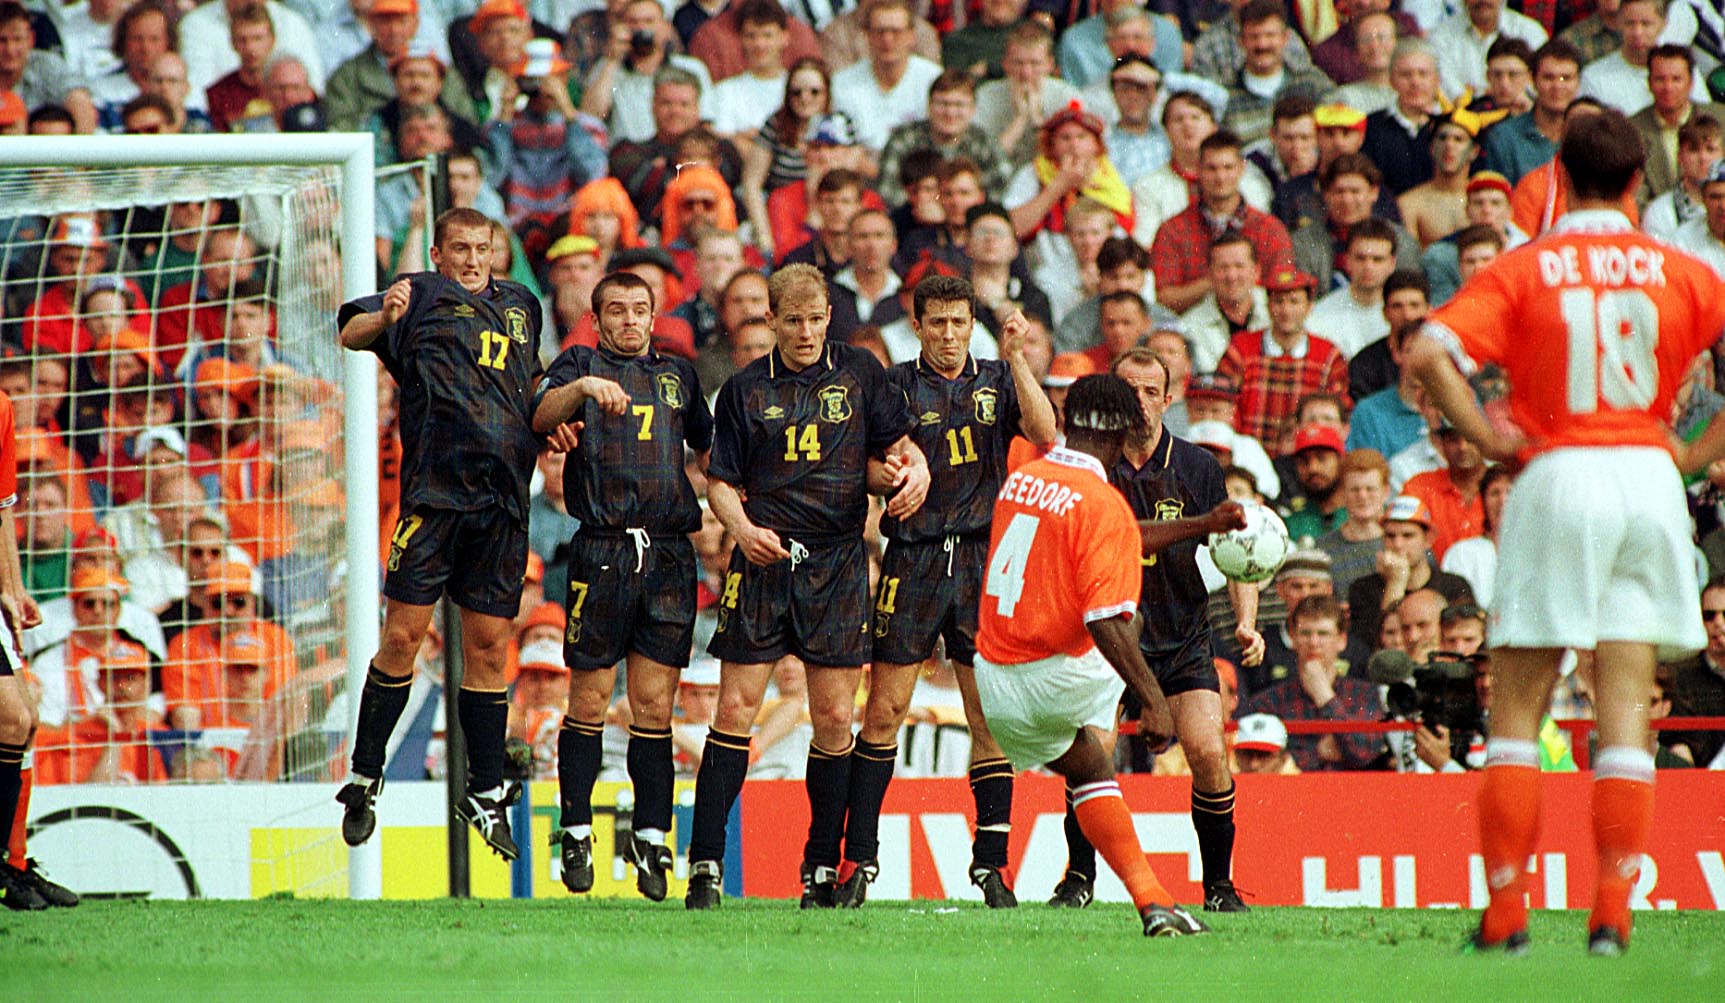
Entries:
{"x":1596,"y":547}
{"x":1034,"y":709}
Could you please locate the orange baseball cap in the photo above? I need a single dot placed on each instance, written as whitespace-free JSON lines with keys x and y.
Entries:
{"x":543,"y":656}
{"x":128,"y":340}
{"x":78,"y":229}
{"x":1286,"y":280}
{"x":393,"y":7}
{"x":546,"y":614}
{"x":490,"y":10}
{"x":237,"y":378}
{"x":541,"y":60}
{"x":125,"y":656}
{"x":1319,"y":437}
{"x":1067,"y":367}
{"x":1339,"y":116}
{"x":96,"y":578}
{"x":1483,"y":181}
{"x":231,"y":576}
{"x":245,"y":648}
{"x":1409,"y":508}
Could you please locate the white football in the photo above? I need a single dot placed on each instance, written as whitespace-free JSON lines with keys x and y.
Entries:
{"x":1255,"y":553}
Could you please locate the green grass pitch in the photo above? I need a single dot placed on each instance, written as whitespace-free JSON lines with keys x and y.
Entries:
{"x":620,"y":949}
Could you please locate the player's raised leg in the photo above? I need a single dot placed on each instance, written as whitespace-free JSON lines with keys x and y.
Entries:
{"x":724,"y":764}
{"x":381,"y":701}
{"x":579,"y":753}
{"x":652,"y":688}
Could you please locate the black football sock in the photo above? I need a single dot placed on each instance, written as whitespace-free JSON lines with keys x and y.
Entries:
{"x":829,"y":785}
{"x":724,"y":764}
{"x":484,"y":716}
{"x":1213,"y":819}
{"x":871,"y":773}
{"x":578,"y":756}
{"x":652,"y":773}
{"x":991,"y":788}
{"x":1080,"y":854}
{"x":381,"y":702}
{"x":11,"y":783}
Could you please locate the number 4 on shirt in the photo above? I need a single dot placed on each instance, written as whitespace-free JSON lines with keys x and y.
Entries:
{"x":1006,"y":568}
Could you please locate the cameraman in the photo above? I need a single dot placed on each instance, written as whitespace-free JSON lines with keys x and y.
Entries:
{"x":619,"y":89}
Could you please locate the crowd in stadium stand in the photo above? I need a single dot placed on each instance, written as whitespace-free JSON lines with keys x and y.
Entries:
{"x":1268,"y":195}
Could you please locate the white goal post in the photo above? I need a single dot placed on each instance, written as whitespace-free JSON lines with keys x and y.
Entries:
{"x":351,"y":154}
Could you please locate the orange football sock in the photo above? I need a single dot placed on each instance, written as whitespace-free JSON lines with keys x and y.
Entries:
{"x":1107,"y":824}
{"x":1622,"y":816}
{"x":15,"y":841}
{"x":1508,"y":829}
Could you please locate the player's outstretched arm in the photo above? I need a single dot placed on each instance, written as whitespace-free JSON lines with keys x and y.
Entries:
{"x":910,"y":478}
{"x":1157,"y":535}
{"x":561,"y":403}
{"x":1707,"y":448}
{"x":1117,"y":638}
{"x":362,"y":329}
{"x":760,"y":546}
{"x":1429,"y":361}
{"x":1036,"y":414}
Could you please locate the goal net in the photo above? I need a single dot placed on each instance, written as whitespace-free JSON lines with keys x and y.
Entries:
{"x":198,"y":488}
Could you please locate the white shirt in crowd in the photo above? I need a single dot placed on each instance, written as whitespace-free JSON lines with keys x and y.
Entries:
{"x":745,"y":102}
{"x":1695,"y":238}
{"x":1461,"y":49}
{"x":1347,"y":323}
{"x":1613,"y":82}
{"x":876,"y":113}
{"x":1209,"y":332}
{"x":209,"y":55}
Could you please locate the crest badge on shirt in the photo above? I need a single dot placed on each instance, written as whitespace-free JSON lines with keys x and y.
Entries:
{"x":670,"y":390}
{"x":516,"y":319}
{"x":986,"y":400}
{"x":835,"y":404}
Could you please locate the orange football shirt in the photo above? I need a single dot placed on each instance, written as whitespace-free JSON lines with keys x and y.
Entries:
{"x":1595,"y":325}
{"x":1063,"y":552}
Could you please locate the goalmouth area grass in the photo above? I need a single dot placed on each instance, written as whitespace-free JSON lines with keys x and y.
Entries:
{"x":502,"y":950}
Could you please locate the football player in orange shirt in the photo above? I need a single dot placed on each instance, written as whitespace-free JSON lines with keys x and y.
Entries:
{"x":1050,"y":672}
{"x":1595,"y":325}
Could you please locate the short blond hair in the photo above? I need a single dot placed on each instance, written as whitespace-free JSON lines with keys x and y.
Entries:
{"x":793,"y":279}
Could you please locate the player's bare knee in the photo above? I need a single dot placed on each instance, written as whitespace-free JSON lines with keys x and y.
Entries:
{"x":16,"y":720}
{"x":832,"y":726}
{"x":736,"y":713}
{"x":883,"y":715}
{"x":587,"y":704}
{"x":652,"y":708}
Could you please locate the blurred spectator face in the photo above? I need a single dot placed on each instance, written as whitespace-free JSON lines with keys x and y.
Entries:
{"x":1484,"y":12}
{"x":1219,"y":174}
{"x":16,"y":43}
{"x":1488,"y":207}
{"x":253,"y":43}
{"x":700,"y":704}
{"x":742,"y":299}
{"x":1452,"y":148}
{"x":1364,"y":493}
{"x":503,"y":42}
{"x":807,"y":93}
{"x":1639,"y":22}
{"x":1477,"y":256}
{"x":147,"y":121}
{"x":248,"y":324}
{"x":417,"y":81}
{"x":1349,"y":199}
{"x":1296,"y":142}
{"x":1210,"y":409}
{"x":959,"y":194}
{"x":751,"y":342}
{"x":237,"y":607}
{"x":1328,"y":413}
{"x":1458,"y":451}
{"x":96,"y":612}
{"x":74,"y":261}
{"x":1509,"y":83}
{"x":1025,"y":64}
{"x":1134,"y":36}
{"x":1669,"y":80}
{"x":1374,"y":41}
{"x":1126,"y":277}
{"x":1172,"y":349}
{"x":700,"y":206}
{"x":286,"y":85}
{"x":176,"y":499}
{"x":216,"y":404}
{"x":1334,"y":142}
{"x":1405,"y":306}
{"x":890,"y":38}
{"x":125,"y":687}
{"x":1002,"y":12}
{"x":764,"y":47}
{"x":577,"y":271}
{"x":105,"y":312}
{"x":1123,"y":324}
{"x":1263,"y":43}
{"x":1317,"y":469}
{"x":422,"y":135}
{"x":1555,"y":82}
{"x":1409,"y":539}
{"x":1073,"y":141}
{"x":1293,"y":588}
{"x":227,"y":260}
{"x":391,"y":32}
{"x":536,"y":687}
{"x":991,"y":241}
{"x":1038,"y":348}
{"x":1288,"y":311}
{"x":1697,"y":159}
{"x":1713,"y":617}
{"x":46,"y":521}
{"x":1415,"y":81}
{"x":48,"y":387}
{"x":1087,"y":233}
{"x":717,"y":259}
{"x":1318,"y":639}
{"x":950,"y":112}
{"x":1259,"y":761}
{"x":1233,"y":272}
{"x":1419,"y":614}
{"x":837,"y":207}
{"x":653,"y":275}
{"x":1369,"y":264}
{"x":1240,"y":487}
{"x":1390,"y":633}
{"x":465,"y":181}
{"x":648,"y":16}
{"x":1188,"y":122}
{"x":1463,"y":635}
{"x":167,"y":78}
{"x":1134,"y":90}
{"x":243,"y":688}
{"x":872,"y":242}
{"x":146,"y":41}
{"x":203,"y":552}
{"x":676,"y":108}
